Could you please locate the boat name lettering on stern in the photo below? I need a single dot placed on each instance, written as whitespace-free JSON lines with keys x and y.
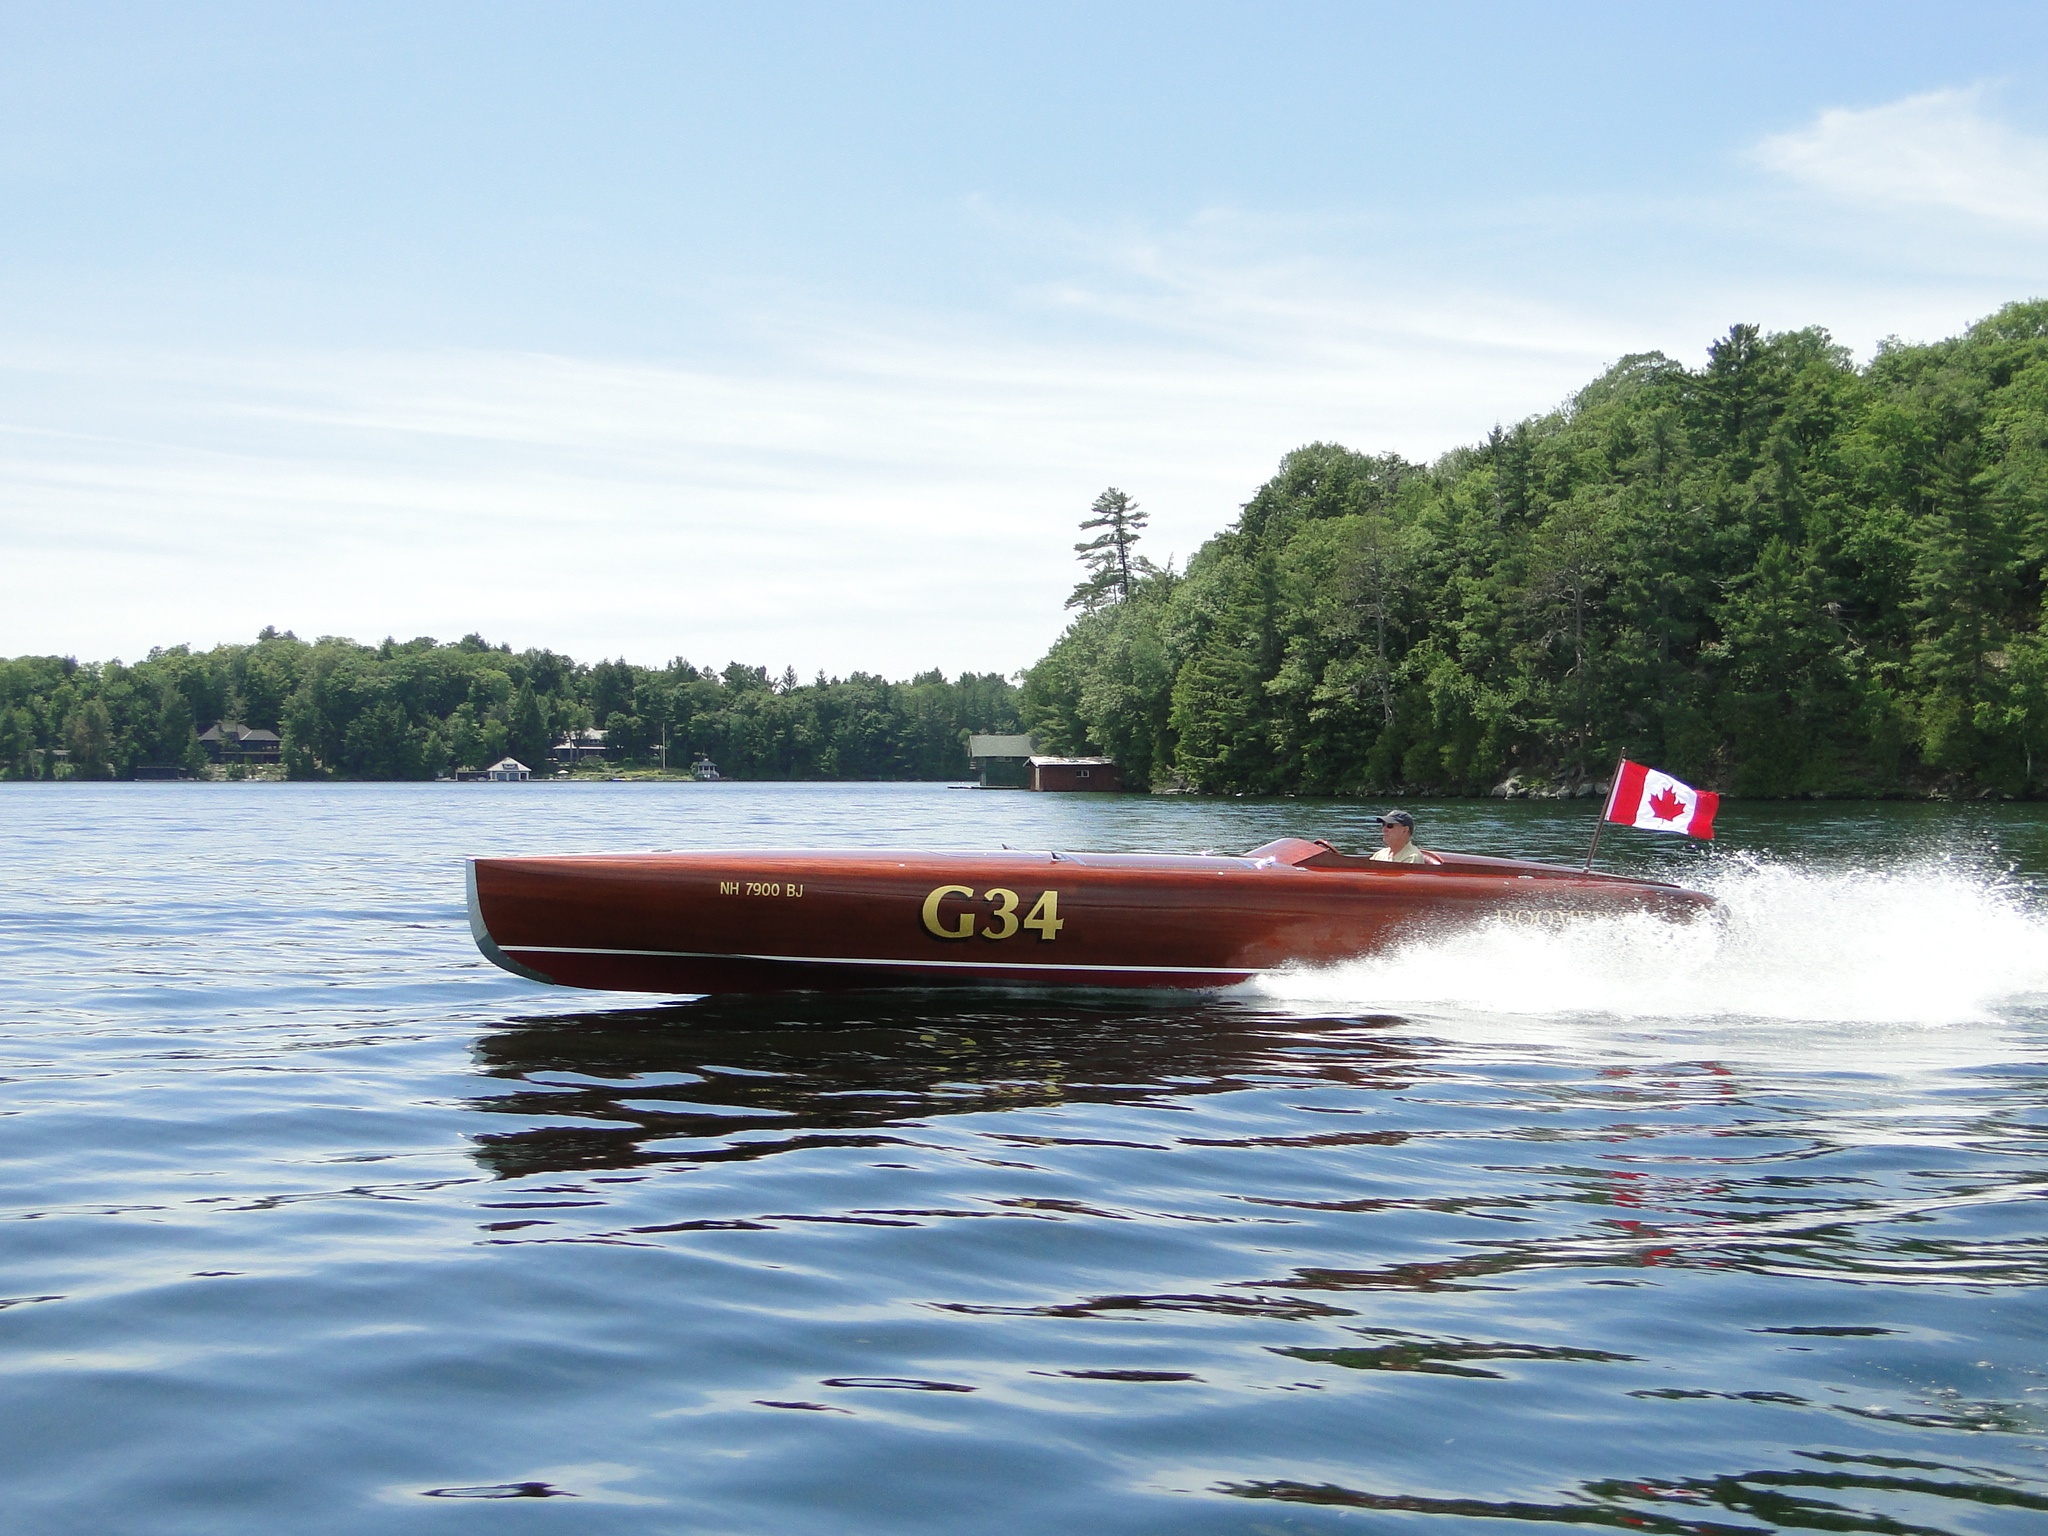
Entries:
{"x":1043,"y":919}
{"x":760,"y":888}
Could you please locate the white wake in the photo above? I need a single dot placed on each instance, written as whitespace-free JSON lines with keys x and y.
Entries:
{"x":1923,"y":944}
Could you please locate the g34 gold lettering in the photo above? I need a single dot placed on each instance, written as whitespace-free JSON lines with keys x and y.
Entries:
{"x":942,"y":923}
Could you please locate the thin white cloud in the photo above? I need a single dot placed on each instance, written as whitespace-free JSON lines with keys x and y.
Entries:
{"x":1937,"y":150}
{"x":888,"y":492}
{"x":839,"y":487}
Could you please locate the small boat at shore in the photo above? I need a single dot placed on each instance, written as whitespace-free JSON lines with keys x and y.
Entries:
{"x":834,"y":921}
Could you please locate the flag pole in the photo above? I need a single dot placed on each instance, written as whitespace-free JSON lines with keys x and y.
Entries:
{"x":1605,"y":806}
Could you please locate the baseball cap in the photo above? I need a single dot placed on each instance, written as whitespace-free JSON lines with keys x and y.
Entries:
{"x":1398,"y":818}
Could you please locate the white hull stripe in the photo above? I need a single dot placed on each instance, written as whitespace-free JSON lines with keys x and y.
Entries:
{"x":959,"y":965}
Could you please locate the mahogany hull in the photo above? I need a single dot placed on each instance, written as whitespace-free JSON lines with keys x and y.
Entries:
{"x":830,"y":921}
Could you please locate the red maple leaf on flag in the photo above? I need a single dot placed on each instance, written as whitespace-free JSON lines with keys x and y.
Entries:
{"x":1666,"y":806}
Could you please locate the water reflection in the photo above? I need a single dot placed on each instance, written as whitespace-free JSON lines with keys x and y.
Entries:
{"x":1783,"y":1498}
{"x":1671,"y":1166}
{"x":1442,"y":1357}
{"x":740,"y":1078}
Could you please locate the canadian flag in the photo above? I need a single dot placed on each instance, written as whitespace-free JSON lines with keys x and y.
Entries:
{"x":1647,"y":797}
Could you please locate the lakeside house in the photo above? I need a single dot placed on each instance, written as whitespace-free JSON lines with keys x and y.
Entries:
{"x":578,"y":745}
{"x":1072,"y":774}
{"x":1002,"y":762}
{"x":508,"y":770}
{"x":231,"y":742}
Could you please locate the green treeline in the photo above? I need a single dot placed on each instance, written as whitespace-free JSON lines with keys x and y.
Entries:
{"x":1776,"y":574}
{"x":419,"y":709}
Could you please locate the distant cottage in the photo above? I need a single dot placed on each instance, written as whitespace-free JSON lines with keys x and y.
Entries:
{"x":226,"y":742}
{"x":508,"y":770}
{"x":577,"y":745}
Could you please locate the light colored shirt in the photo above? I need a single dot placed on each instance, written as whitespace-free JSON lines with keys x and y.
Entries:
{"x":1408,"y":855}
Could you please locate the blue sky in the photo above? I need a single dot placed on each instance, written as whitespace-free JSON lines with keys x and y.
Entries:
{"x":805,"y":334}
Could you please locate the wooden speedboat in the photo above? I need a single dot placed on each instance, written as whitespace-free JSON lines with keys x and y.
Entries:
{"x":828,"y":921}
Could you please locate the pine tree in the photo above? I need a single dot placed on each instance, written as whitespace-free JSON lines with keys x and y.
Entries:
{"x":1111,"y":565}
{"x":16,"y":737}
{"x":527,"y":730}
{"x":90,"y":735}
{"x":177,"y":743}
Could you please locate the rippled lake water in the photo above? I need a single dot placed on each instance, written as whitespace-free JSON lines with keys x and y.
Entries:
{"x":315,"y":1222}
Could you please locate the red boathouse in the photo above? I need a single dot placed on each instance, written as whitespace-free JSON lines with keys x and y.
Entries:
{"x":1076,"y":773}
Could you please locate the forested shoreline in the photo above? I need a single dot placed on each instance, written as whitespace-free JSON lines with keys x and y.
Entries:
{"x":1776,"y":574}
{"x":420,"y":709}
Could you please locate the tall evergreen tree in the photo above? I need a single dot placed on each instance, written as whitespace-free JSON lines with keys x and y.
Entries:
{"x":1112,"y":567}
{"x":526,"y":731}
{"x":89,"y":736}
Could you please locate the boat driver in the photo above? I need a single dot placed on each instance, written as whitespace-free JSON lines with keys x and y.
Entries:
{"x":1397,"y":831}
